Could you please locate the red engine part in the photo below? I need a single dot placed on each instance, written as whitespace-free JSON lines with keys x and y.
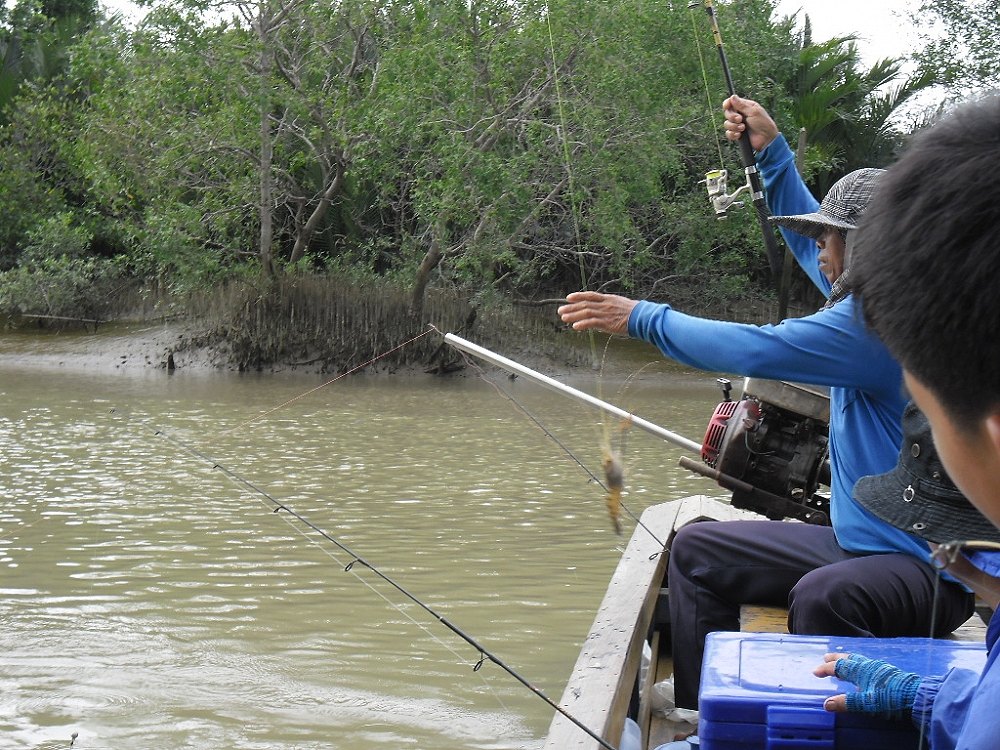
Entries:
{"x":716,"y":430}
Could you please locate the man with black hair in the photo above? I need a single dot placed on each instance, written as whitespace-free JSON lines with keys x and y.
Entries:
{"x":925,"y":273}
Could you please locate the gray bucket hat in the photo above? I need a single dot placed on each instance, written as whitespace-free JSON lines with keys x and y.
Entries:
{"x":918,"y":496}
{"x":840,"y":209}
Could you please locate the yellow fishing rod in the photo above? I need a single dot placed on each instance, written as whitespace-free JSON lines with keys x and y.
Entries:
{"x":716,"y":179}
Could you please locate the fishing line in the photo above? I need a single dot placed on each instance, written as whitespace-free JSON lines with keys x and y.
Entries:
{"x":563,"y":130}
{"x":548,"y":433}
{"x":710,"y":110}
{"x":329,"y":382}
{"x":574,"y":209}
{"x":356,"y":559}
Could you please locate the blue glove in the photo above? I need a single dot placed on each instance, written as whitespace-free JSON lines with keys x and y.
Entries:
{"x":883,"y":689}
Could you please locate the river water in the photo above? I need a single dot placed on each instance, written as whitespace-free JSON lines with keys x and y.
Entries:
{"x":151,"y":599}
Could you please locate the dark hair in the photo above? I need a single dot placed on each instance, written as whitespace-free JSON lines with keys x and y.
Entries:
{"x":929,"y":256}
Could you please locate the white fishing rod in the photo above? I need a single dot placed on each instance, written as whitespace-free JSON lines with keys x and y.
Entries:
{"x":518,"y":369}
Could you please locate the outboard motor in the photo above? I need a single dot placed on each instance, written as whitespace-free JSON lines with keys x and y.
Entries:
{"x":771,"y":448}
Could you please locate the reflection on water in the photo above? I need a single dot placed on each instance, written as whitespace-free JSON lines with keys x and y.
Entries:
{"x":147,"y":600}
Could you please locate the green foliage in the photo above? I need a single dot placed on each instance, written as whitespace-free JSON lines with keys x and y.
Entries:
{"x":170,"y":247}
{"x":56,"y":237}
{"x":56,"y":276}
{"x":505,"y":148}
{"x":846,"y":110}
{"x":960,"y":46}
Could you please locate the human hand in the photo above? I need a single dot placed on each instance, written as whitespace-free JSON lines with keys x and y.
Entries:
{"x":883,"y":689}
{"x":593,"y":310}
{"x":743,"y":113}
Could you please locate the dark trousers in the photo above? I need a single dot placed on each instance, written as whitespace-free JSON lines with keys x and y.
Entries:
{"x":717,"y":566}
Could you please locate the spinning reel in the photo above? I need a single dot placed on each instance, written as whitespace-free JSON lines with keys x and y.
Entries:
{"x":716,"y":183}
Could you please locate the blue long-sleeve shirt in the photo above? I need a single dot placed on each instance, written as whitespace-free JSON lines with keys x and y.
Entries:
{"x":959,"y":711}
{"x":831,"y":347}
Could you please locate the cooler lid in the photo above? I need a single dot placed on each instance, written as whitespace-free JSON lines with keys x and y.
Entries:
{"x":744,"y":673}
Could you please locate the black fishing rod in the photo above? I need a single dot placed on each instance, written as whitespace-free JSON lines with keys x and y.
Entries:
{"x":716,"y":179}
{"x":356,"y":559}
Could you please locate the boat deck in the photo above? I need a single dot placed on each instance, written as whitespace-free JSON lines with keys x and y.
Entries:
{"x":603,"y":688}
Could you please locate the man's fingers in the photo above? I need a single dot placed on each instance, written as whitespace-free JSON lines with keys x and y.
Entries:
{"x":836,"y":703}
{"x":581,"y":320}
{"x":829,"y":665}
{"x":580,"y":315}
{"x":584,"y":296}
{"x":571,"y":313}
{"x":825,"y":670}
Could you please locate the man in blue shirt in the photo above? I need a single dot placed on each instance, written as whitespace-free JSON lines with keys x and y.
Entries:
{"x":928,"y":256}
{"x":829,"y":578}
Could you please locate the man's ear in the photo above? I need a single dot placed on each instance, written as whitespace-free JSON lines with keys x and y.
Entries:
{"x":993,"y":431}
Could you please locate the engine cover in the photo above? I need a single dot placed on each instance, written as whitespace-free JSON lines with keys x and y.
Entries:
{"x":775,"y":439}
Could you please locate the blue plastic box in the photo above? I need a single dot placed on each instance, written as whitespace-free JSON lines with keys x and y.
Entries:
{"x":758,"y":691}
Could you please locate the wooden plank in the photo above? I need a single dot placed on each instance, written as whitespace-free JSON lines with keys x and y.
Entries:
{"x":974,"y":630}
{"x":645,"y":713}
{"x":601,"y":684}
{"x":702,"y":508}
{"x":761,"y":619}
{"x":659,"y":729}
{"x":756,"y":618}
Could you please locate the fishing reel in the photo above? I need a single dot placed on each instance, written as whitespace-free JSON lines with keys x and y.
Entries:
{"x":716,"y":183}
{"x":771,"y":448}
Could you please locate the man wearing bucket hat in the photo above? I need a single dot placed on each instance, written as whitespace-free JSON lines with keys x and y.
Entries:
{"x":829,"y":226}
{"x":929,"y":256}
{"x":828,"y":577}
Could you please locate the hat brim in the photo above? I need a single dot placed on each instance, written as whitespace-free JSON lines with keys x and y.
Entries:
{"x":812,"y":225}
{"x":903,"y":500}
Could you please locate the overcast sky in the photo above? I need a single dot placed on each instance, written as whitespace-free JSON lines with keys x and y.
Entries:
{"x":883,"y":27}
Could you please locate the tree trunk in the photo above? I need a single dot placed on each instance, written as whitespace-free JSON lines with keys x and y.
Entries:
{"x":431,"y":260}
{"x":266,"y":147}
{"x":304,"y":233}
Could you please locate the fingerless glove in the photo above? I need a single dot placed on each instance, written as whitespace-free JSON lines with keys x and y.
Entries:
{"x":883,"y":689}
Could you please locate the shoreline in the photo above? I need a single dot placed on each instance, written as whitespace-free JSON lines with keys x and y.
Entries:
{"x":136,"y":346}
{"x":143,"y":347}
{"x":114,"y":346}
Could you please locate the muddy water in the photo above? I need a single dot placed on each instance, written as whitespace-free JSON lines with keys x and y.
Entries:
{"x":150,"y":600}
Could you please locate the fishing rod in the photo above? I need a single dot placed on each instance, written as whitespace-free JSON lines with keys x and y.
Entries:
{"x":356,"y":559}
{"x":518,"y":369}
{"x":715,"y":180}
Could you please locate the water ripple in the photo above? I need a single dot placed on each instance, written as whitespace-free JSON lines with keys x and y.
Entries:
{"x":149,"y":600}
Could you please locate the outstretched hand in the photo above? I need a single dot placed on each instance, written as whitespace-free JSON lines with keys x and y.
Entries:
{"x":592,"y":310}
{"x":741,"y":113}
{"x":883,"y":689}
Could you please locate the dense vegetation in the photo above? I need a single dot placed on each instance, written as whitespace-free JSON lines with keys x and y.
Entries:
{"x":484,"y":150}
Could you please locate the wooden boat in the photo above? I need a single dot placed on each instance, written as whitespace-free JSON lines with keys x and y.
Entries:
{"x":604,"y":688}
